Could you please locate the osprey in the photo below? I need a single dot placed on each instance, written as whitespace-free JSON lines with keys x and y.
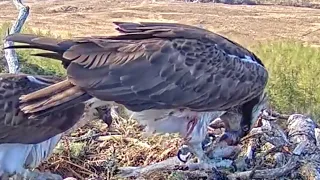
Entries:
{"x":173,"y":77}
{"x":25,"y":143}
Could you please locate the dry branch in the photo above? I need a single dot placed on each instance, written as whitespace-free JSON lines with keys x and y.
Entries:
{"x":268,"y":173}
{"x":267,"y":152}
{"x":302,"y":134}
{"x":270,"y":153}
{"x":10,"y":54}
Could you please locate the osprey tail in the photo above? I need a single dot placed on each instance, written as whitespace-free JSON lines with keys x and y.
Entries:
{"x":55,"y":47}
{"x":55,"y":97}
{"x":52,"y":98}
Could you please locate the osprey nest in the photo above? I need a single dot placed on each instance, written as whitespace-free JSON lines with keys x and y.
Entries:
{"x":280,"y":146}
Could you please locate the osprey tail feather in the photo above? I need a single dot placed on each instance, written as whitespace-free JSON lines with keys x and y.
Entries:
{"x":55,"y":97}
{"x":55,"y":47}
{"x":52,"y":98}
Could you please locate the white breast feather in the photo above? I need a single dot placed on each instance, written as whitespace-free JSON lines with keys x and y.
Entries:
{"x":167,"y":121}
{"x":160,"y":121}
{"x":200,"y":130}
{"x":15,"y":157}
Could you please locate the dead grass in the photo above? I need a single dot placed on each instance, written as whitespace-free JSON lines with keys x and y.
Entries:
{"x":108,"y":148}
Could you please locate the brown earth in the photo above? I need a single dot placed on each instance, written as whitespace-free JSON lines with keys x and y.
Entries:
{"x":242,"y":23}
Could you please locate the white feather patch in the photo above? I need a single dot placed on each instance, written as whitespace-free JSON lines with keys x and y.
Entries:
{"x":14,"y":158}
{"x":33,"y":79}
{"x":200,"y":130}
{"x":171,"y":120}
{"x":161,"y":121}
{"x":246,"y":59}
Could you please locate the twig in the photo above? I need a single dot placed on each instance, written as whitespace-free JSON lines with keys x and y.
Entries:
{"x":250,"y":154}
{"x":89,"y":135}
{"x":170,"y":164}
{"x":278,"y":115}
{"x":67,"y":147}
{"x":80,"y":167}
{"x":120,"y":137}
{"x":160,"y":166}
{"x":273,"y":173}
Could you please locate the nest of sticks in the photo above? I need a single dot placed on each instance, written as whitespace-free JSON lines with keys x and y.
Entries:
{"x":280,"y":146}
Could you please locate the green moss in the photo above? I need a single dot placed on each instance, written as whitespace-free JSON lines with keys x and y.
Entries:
{"x":76,"y":149}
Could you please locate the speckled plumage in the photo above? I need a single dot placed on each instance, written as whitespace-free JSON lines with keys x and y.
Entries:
{"x":159,"y":66}
{"x":15,"y":125}
{"x":173,"y":69}
{"x":26,"y":143}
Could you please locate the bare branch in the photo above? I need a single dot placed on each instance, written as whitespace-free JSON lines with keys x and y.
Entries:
{"x":301,"y":129}
{"x":262,"y":174}
{"x":302,"y":133}
{"x":10,"y":54}
{"x":277,"y":115}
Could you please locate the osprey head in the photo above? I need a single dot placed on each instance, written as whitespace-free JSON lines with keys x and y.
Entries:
{"x":251,"y":111}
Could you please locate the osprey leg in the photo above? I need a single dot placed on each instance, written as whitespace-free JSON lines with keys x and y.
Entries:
{"x":195,"y":139}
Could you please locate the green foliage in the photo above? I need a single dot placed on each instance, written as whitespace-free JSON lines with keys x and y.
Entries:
{"x":37,"y":65}
{"x":76,"y":149}
{"x":31,"y":64}
{"x":294,"y":84}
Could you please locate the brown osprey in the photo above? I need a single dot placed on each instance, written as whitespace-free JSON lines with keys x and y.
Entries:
{"x":25,"y":143}
{"x":173,"y":77}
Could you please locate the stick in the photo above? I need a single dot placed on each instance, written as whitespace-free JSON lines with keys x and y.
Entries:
{"x":10,"y":54}
{"x":303,"y":134}
{"x":262,"y":174}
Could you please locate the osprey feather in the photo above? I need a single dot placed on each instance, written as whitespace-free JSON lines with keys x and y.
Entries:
{"x":173,"y":77}
{"x":25,"y":143}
